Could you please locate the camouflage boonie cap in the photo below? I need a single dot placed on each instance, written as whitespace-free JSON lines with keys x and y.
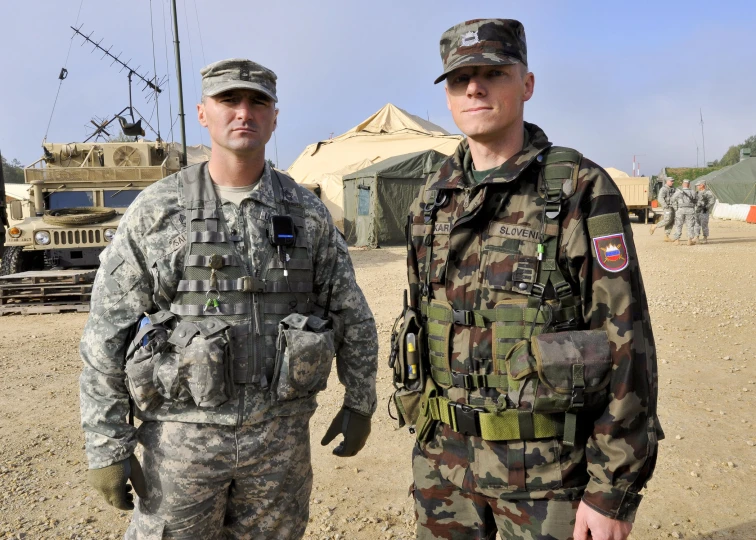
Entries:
{"x":483,"y":42}
{"x":238,"y":73}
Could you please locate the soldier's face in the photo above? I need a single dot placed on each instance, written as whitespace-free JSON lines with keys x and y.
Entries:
{"x":241,"y":121}
{"x":487,"y":102}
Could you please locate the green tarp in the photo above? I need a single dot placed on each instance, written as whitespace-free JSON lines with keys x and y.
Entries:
{"x":377,"y":198}
{"x":735,"y":184}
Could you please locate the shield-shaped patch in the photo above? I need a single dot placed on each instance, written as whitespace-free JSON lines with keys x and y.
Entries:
{"x":611,"y":252}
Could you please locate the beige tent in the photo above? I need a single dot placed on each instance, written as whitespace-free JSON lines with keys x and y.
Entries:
{"x":616,"y":173}
{"x":389,"y":132}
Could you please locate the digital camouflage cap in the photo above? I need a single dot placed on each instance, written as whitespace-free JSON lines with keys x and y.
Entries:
{"x":238,"y":73}
{"x":483,"y":42}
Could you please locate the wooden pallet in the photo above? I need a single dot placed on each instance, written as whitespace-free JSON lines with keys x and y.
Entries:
{"x":52,"y":291}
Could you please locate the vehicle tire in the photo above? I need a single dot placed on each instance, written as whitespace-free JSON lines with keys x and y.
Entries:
{"x":78,"y":215}
{"x":15,"y":260}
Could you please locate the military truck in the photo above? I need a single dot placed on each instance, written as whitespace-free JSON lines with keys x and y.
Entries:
{"x":78,"y":193}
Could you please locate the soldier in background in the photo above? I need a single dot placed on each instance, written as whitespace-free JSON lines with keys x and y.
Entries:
{"x":665,"y":203}
{"x":514,"y":239}
{"x":3,"y":214}
{"x":704,"y":206}
{"x":684,"y":203}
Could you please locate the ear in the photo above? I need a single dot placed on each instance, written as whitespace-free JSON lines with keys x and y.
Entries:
{"x":448,"y":102}
{"x":529,"y":82}
{"x":201,"y":114}
{"x":275,"y":120}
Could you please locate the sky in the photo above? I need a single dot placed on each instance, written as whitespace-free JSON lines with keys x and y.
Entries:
{"x":613,"y":79}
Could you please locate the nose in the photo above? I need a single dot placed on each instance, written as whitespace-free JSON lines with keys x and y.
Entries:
{"x":475,"y":87}
{"x":244,"y":110}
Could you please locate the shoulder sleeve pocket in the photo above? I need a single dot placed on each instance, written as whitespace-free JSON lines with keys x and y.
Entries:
{"x":118,"y":275}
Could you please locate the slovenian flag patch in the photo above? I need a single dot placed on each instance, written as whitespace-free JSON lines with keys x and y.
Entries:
{"x":611,"y":252}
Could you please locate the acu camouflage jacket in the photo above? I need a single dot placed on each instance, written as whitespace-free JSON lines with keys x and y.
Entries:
{"x":150,"y":245}
{"x":477,"y":247}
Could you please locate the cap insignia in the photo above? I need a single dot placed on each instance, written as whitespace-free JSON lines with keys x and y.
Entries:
{"x":244,"y":73}
{"x":469,"y":39}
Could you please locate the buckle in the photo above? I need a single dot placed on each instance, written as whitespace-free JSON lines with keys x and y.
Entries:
{"x":563,"y":289}
{"x":577,"y":398}
{"x":466,"y":418}
{"x":463,"y":317}
{"x":537,"y":290}
{"x":252,"y":284}
{"x":462,"y":380}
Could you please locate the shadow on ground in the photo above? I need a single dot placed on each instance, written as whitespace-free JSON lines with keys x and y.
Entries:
{"x":745,"y":531}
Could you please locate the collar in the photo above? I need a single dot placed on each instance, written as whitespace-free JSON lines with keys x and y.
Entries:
{"x":452,"y":174}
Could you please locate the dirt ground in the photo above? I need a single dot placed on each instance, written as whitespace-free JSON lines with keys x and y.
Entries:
{"x":703,"y":307}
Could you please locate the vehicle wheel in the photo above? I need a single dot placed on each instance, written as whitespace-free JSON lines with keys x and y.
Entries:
{"x":16,"y":260}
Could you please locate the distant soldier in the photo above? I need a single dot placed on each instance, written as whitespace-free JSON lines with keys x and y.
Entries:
{"x":684,"y":203}
{"x":665,"y":202}
{"x":704,"y":206}
{"x":3,"y":214}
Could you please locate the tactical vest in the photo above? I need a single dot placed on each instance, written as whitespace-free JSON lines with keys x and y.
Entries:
{"x":536,"y":299}
{"x":216,"y":281}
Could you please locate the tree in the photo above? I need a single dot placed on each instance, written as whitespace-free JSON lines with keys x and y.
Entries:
{"x":13,"y":171}
{"x":732,"y":156}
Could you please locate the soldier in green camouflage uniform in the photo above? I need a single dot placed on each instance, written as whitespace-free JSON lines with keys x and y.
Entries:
{"x":668,"y":217}
{"x":238,"y":465}
{"x":684,"y":202}
{"x":704,"y":206}
{"x":538,"y":413}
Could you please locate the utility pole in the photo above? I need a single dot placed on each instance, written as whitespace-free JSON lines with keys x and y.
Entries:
{"x":180,"y":87}
{"x":636,"y":164}
{"x":703,"y":141}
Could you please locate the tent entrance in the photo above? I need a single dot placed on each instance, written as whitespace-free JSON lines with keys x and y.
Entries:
{"x":364,"y":222}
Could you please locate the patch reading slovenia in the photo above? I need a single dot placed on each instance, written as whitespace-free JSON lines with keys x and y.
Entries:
{"x":611,"y":252}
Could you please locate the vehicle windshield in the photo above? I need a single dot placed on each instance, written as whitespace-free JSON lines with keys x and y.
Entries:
{"x":69,"y":199}
{"x":120,"y":198}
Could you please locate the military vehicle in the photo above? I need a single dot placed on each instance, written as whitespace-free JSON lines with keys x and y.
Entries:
{"x":78,"y":193}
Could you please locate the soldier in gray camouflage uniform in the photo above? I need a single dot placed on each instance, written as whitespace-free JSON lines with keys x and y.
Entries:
{"x":225,"y":372}
{"x":668,"y":217}
{"x":684,"y":203}
{"x":704,"y":206}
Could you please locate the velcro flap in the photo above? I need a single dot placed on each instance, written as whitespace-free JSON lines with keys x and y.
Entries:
{"x":557,"y":353}
{"x":211,"y":326}
{"x":183,"y":334}
{"x":604,"y":225}
{"x":519,"y":362}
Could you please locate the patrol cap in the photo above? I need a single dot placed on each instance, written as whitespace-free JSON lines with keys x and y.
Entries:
{"x":686,"y":181}
{"x":238,"y":73}
{"x":483,"y":42}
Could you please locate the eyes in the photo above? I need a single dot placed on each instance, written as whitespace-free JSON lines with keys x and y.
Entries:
{"x":464,"y":77}
{"x":233,"y":98}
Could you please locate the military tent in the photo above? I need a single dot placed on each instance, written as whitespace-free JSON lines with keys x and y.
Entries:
{"x":387,"y":133}
{"x":735,"y":184}
{"x":377,"y":198}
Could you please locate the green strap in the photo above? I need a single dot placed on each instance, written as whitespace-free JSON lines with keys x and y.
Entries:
{"x":468,"y":381}
{"x":508,"y":425}
{"x":483,"y":317}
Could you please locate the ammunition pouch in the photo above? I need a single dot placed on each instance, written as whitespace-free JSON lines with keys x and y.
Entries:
{"x":305,"y":351}
{"x":409,"y":375}
{"x":178,"y":362}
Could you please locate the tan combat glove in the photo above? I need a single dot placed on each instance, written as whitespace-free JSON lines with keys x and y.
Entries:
{"x":354,"y":426}
{"x":111,"y":482}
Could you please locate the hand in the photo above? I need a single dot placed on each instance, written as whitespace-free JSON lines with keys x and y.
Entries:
{"x":590,"y":525}
{"x":111,"y":482}
{"x":354,"y":426}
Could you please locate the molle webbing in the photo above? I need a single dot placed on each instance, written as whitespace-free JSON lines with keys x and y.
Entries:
{"x":216,"y":280}
{"x":506,"y":425}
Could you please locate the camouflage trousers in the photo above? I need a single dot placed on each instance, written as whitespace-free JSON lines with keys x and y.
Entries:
{"x":667,"y":220}
{"x":210,"y":481}
{"x":687,"y":217}
{"x":702,"y":225}
{"x":464,"y":488}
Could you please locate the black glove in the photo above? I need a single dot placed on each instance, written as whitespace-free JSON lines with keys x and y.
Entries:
{"x":111,"y":482}
{"x":354,"y":426}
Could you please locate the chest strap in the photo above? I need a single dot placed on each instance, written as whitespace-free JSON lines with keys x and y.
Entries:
{"x":508,"y":425}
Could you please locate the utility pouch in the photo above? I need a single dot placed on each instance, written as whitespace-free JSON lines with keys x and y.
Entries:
{"x":407,"y":407}
{"x":574,"y":369}
{"x":206,"y":363}
{"x":305,"y":351}
{"x":142,"y":356}
{"x":408,"y":352}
